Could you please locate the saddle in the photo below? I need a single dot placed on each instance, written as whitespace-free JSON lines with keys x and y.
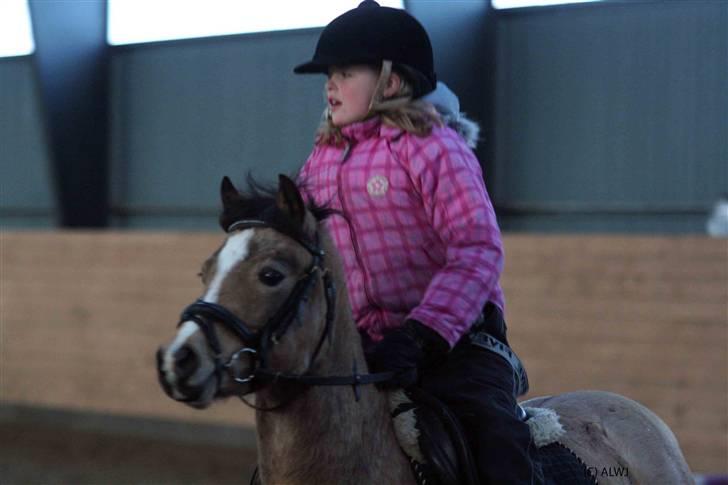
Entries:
{"x":431,"y":437}
{"x":430,"y":434}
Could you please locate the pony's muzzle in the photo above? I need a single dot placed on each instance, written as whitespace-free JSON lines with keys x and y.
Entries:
{"x":185,"y":362}
{"x":179,"y":372}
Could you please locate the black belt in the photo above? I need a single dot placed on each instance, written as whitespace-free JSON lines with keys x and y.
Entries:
{"x":489,"y":333}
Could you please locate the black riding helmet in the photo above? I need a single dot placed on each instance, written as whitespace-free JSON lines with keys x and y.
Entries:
{"x":370,"y":34}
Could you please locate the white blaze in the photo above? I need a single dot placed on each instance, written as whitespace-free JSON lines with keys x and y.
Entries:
{"x":235,"y":250}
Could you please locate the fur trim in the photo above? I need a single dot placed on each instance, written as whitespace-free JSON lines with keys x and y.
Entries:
{"x":545,"y":426}
{"x":405,"y":426}
{"x":447,"y":105}
{"x":468,"y":129}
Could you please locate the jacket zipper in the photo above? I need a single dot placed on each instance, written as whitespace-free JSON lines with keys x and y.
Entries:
{"x":352,"y":234}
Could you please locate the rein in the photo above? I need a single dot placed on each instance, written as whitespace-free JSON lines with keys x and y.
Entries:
{"x":256,"y":344}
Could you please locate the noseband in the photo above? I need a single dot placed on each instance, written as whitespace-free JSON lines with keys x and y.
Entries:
{"x":256,"y":343}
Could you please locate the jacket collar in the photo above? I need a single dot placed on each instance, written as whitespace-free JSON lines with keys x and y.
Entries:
{"x":370,"y":128}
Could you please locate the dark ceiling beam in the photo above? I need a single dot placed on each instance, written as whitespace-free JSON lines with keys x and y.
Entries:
{"x":463,"y":40}
{"x":72,"y":61}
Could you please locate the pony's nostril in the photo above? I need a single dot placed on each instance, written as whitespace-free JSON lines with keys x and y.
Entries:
{"x":185,"y":362}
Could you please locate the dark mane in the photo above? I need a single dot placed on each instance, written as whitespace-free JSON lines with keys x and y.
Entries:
{"x":258,"y":201}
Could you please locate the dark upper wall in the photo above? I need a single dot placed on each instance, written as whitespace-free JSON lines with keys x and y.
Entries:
{"x":26,"y":195}
{"x":186,"y":113}
{"x":613,"y":108}
{"x":612,"y":116}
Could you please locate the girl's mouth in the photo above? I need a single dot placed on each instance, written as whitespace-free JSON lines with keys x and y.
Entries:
{"x":333,"y":104}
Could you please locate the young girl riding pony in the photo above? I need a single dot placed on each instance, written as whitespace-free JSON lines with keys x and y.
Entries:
{"x":416,"y":231}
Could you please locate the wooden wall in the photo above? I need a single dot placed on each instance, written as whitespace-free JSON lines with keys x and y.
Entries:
{"x":81,"y":315}
{"x":643,"y":317}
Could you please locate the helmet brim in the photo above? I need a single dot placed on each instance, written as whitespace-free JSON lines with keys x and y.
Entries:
{"x":321,"y":65}
{"x":312,"y":67}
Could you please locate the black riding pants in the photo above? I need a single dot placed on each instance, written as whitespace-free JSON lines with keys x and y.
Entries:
{"x":478,"y":387}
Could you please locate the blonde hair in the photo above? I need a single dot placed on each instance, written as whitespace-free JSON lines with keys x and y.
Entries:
{"x":411,"y":115}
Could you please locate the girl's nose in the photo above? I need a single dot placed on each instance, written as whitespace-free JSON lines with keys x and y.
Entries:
{"x":330,"y":84}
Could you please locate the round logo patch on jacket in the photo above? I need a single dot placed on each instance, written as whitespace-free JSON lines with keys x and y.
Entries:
{"x":377,"y":186}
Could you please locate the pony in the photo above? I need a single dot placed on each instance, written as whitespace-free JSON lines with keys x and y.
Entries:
{"x":270,"y":326}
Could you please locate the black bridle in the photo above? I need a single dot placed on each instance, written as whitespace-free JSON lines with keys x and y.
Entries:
{"x":257,"y":343}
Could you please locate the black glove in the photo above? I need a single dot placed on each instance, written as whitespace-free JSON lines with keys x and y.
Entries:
{"x":405,"y":351}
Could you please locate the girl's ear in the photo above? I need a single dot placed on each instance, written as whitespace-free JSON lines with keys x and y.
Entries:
{"x":394,"y":83}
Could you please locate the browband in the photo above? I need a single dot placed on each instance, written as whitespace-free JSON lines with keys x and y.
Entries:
{"x":248,"y":223}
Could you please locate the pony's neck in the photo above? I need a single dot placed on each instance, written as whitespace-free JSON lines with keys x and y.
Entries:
{"x":325,"y":435}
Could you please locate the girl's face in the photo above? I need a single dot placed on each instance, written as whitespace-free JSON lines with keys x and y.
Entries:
{"x":349,"y":92}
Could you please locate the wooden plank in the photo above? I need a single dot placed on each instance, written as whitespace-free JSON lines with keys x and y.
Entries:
{"x":81,"y":314}
{"x":644,"y":317}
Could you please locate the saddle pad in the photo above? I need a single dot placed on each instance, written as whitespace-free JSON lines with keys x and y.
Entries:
{"x":561,"y":466}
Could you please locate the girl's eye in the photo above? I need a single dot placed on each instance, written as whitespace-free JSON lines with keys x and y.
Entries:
{"x":270,"y":277}
{"x":339,"y":74}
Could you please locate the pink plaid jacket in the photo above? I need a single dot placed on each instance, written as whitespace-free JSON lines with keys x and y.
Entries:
{"x":416,"y":230}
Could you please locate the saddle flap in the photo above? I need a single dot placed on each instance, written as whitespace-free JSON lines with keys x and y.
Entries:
{"x":431,"y":436}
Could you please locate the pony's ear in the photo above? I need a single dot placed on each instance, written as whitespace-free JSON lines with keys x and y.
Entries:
{"x":228,"y":193}
{"x":289,"y":199}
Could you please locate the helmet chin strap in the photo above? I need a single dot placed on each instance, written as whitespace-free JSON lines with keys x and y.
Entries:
{"x":384,"y":75}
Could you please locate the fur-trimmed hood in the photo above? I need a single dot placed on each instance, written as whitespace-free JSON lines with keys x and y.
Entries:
{"x":448,"y":105}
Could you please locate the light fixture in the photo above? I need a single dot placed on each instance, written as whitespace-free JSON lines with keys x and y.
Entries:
{"x":16,"y":34}
{"x":504,"y":4}
{"x":135,"y":21}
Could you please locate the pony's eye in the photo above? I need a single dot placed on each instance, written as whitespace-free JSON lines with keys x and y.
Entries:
{"x":270,"y":277}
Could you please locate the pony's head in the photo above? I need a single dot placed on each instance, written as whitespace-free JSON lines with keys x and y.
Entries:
{"x":266,"y":305}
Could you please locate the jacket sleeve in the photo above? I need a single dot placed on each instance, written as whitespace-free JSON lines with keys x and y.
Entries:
{"x":450,"y":182}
